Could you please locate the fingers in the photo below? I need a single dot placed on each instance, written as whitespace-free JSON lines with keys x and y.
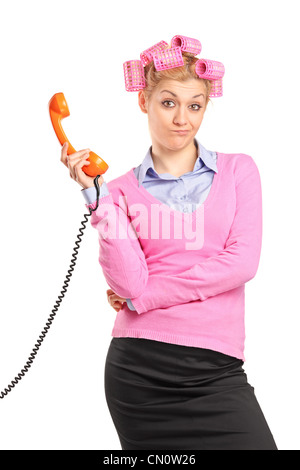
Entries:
{"x":111,"y":295}
{"x":76,"y":161}
{"x":65,"y":157}
{"x":64,"y":154}
{"x":78,"y":164}
{"x":108,"y":293}
{"x":115,"y":300}
{"x":116,"y":306}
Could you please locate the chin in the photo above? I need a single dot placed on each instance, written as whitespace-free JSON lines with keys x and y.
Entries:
{"x":174,"y":141}
{"x":182,"y":139}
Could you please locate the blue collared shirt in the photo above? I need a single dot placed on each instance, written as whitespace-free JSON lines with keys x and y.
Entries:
{"x":184,"y":193}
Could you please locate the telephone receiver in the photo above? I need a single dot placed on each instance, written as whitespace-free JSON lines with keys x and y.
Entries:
{"x":58,"y":109}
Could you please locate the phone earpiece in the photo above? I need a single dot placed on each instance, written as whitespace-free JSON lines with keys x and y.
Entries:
{"x":59,"y":105}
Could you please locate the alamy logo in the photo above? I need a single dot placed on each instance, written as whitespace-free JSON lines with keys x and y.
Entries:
{"x":134,"y":221}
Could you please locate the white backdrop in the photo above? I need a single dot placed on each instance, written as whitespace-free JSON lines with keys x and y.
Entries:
{"x":78,"y":48}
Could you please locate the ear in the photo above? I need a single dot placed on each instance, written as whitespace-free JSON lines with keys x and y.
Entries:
{"x":143,"y":104}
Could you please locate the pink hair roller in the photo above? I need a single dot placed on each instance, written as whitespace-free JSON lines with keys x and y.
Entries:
{"x":187,"y":44}
{"x":147,"y":55}
{"x":134,"y":75}
{"x":209,"y":69}
{"x":217,"y":88}
{"x":168,"y":59}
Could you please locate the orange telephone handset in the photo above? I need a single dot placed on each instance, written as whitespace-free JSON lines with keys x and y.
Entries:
{"x":58,"y":109}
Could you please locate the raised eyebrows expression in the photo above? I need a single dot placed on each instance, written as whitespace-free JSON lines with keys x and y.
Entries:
{"x":168,"y":91}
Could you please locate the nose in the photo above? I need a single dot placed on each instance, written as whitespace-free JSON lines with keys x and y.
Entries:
{"x":180,"y":117}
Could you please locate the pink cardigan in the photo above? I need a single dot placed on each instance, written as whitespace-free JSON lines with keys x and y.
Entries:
{"x":185,"y":273}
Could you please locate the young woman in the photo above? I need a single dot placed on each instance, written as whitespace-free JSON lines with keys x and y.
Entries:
{"x":179,"y":237}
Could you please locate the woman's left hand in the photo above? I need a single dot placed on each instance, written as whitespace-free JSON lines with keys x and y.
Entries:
{"x":115,"y":300}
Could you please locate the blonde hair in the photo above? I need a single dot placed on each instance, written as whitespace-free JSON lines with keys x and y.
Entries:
{"x":183,"y":73}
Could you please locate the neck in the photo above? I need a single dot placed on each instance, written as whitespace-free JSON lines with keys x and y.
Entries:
{"x":174,"y":162}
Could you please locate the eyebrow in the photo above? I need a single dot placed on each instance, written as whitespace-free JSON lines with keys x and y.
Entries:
{"x":196,"y":96}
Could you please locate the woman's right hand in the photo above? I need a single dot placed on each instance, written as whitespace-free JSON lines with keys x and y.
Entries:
{"x":75,"y":162}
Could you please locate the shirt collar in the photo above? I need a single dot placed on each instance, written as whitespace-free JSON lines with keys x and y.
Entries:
{"x":208,"y":157}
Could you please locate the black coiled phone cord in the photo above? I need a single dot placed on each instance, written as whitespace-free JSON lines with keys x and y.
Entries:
{"x":58,"y":302}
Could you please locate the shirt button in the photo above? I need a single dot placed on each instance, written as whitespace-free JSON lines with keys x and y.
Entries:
{"x":185,"y":209}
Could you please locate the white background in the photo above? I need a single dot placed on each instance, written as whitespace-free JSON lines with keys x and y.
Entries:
{"x":78,"y":48}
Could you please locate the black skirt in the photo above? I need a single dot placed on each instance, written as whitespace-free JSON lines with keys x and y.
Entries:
{"x":167,"y":396}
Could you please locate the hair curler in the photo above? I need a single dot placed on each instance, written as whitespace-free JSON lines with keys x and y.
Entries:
{"x":209,"y":69}
{"x":134,"y":75}
{"x":168,"y":59}
{"x":216,"y":88}
{"x":147,"y":55}
{"x":187,"y":44}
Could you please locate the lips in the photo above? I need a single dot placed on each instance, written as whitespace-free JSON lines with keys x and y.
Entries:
{"x":181,"y":132}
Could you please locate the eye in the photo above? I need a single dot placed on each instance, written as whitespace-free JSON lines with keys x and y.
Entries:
{"x":199,"y":107}
{"x":167,"y":101}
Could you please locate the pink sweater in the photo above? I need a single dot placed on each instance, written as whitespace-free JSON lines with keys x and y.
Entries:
{"x":185,"y":273}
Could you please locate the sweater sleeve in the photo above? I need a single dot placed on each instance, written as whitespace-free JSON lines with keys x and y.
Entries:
{"x":120,"y":254}
{"x":232,"y":267}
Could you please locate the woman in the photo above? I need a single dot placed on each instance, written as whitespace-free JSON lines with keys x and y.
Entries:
{"x":179,"y":237}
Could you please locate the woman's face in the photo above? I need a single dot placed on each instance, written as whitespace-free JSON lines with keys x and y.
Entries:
{"x":174,"y":106}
